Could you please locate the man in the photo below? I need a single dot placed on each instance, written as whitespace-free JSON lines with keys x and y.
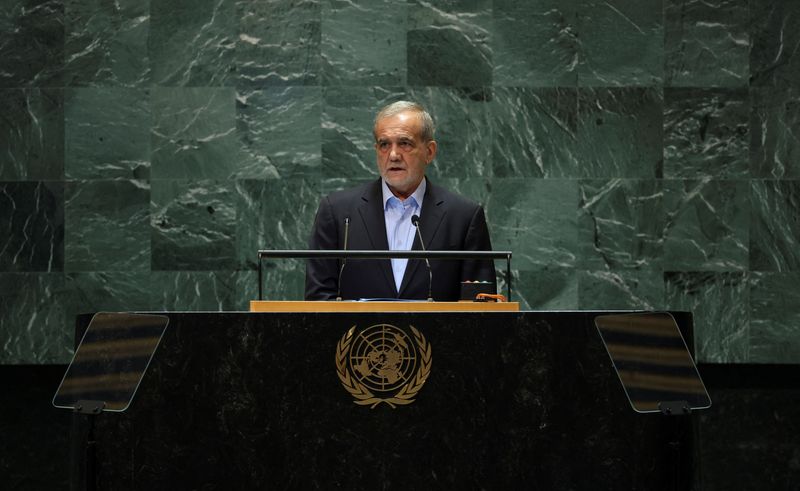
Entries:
{"x":378,"y":216}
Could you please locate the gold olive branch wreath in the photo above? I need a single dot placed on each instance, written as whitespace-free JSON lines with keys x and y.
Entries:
{"x":362,"y":394}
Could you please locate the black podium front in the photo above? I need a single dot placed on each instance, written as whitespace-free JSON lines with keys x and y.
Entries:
{"x":512,"y":400}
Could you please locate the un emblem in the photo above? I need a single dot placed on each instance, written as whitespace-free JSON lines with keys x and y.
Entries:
{"x":382,"y":363}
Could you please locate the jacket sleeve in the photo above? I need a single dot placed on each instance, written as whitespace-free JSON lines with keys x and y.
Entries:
{"x":477,"y":239}
{"x":322,"y":274}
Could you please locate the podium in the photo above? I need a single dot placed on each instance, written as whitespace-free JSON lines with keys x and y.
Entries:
{"x":255,"y":400}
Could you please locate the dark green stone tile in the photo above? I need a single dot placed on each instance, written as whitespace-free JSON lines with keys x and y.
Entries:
{"x":193,"y":225}
{"x":31,"y":134}
{"x":774,"y":318}
{"x":534,"y":132}
{"x":707,"y":225}
{"x":774,"y":54}
{"x":607,"y":290}
{"x":107,"y":291}
{"x":31,"y":226}
{"x":278,"y":43}
{"x":279,"y":132}
{"x":621,"y":42}
{"x":547,"y":288}
{"x":282,"y":281}
{"x":621,"y":224}
{"x":107,"y":133}
{"x":706,"y":44}
{"x":449,"y":42}
{"x":364,"y":43}
{"x":194,"y":135}
{"x":192,"y":42}
{"x":201,"y":291}
{"x":774,"y":225}
{"x":463,"y":129}
{"x":535,"y":44}
{"x":274,"y":214}
{"x":706,"y":133}
{"x":620,"y":132}
{"x":775,"y":133}
{"x":31,"y":42}
{"x":106,"y":43}
{"x":718,"y":302}
{"x":32,"y":319}
{"x":348,"y":114}
{"x":107,"y":226}
{"x":536,"y":219}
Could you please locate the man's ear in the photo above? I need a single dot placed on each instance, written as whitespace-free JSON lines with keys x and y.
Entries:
{"x":431,"y":147}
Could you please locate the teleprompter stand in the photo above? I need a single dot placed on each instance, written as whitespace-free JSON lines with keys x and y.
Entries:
{"x":656,"y":371}
{"x":105,"y":372}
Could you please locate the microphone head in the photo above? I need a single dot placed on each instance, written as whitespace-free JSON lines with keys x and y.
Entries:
{"x":415,"y":220}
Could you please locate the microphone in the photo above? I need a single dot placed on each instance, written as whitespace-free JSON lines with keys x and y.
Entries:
{"x":344,"y":260}
{"x":415,"y":222}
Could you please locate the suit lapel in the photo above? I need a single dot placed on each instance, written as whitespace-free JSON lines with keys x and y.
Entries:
{"x":431,"y":215}
{"x":371,"y":211}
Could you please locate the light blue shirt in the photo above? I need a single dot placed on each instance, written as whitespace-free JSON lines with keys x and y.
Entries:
{"x":400,"y":232}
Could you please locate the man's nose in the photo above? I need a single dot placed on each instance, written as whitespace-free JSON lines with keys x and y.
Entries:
{"x":394,"y":152}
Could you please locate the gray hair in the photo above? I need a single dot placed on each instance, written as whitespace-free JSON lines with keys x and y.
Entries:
{"x":398,"y":107}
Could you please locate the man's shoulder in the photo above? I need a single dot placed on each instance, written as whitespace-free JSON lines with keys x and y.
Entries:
{"x":451,"y":198}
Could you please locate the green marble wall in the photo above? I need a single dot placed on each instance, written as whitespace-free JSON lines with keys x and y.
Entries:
{"x":632,"y":153}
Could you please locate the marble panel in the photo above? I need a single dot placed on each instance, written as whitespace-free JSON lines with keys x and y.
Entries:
{"x":775,"y":133}
{"x":31,"y":134}
{"x":278,"y":43}
{"x":774,"y":318}
{"x":192,"y":42}
{"x":706,"y":133}
{"x":774,"y":225}
{"x":274,"y":214}
{"x":193,"y":225}
{"x":547,"y":288}
{"x":107,"y":133}
{"x":620,"y":132}
{"x":200,"y":290}
{"x":106,"y":43}
{"x":535,"y":44}
{"x":621,"y":43}
{"x":719,"y":303}
{"x":194,"y":135}
{"x":621,"y":224}
{"x":348,"y":144}
{"x":107,"y":226}
{"x":625,"y":290}
{"x":279,"y":131}
{"x":109,"y":291}
{"x":536,"y":219}
{"x":31,"y":226}
{"x":31,"y":42}
{"x":775,"y":39}
{"x":706,"y":225}
{"x":449,"y":42}
{"x":32,"y":319}
{"x":706,"y":43}
{"x":534,"y":132}
{"x":462,"y":117}
{"x":364,"y":43}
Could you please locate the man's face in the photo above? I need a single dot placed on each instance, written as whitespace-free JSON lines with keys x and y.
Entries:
{"x":402,"y":154}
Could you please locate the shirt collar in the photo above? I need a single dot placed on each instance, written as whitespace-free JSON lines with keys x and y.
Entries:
{"x":418,"y":193}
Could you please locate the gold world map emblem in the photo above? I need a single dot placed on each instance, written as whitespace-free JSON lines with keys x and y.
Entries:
{"x":383,"y":363}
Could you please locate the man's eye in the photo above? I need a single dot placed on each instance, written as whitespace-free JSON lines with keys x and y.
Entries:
{"x":405,"y":144}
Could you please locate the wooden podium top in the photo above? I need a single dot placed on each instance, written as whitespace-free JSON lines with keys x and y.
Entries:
{"x":350,"y":306}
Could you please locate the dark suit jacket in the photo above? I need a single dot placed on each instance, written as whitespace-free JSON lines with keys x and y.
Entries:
{"x":447,"y":222}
